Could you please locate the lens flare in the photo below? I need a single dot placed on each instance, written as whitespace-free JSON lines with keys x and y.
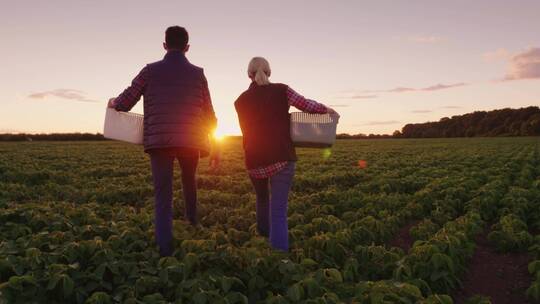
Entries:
{"x":218,"y":136}
{"x":362,"y":164}
{"x":326,"y":153}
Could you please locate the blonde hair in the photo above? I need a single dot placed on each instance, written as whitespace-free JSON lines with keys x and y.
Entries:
{"x":259,"y":70}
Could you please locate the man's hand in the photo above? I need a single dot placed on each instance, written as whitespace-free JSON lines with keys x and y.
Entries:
{"x":111,"y":104}
{"x":215,"y":153}
{"x":215,"y":158}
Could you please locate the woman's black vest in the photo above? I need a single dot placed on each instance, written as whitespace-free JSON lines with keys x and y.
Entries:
{"x":263,"y":112}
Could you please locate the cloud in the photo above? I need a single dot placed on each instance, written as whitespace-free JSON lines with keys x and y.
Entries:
{"x":435,"y":87}
{"x":443,"y":86}
{"x":368,"y":94}
{"x":363,"y":96}
{"x":358,"y":96}
{"x":69,"y":94}
{"x":400,"y":90}
{"x":421,"y":111}
{"x":525,"y":65}
{"x":381,"y":122}
{"x":497,"y":55}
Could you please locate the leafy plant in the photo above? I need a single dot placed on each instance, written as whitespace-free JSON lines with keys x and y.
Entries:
{"x":77,"y":224}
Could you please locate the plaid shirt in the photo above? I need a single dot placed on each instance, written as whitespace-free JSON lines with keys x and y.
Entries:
{"x":127,"y":100}
{"x":303,"y":104}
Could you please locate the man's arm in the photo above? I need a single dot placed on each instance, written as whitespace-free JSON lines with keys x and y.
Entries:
{"x":127,"y":100}
{"x":210,"y":121}
{"x":208,"y":110}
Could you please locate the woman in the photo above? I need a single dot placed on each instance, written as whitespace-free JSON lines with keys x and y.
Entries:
{"x":263,"y":112}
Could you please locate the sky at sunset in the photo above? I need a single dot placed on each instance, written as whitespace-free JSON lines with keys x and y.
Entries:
{"x":381,"y":64}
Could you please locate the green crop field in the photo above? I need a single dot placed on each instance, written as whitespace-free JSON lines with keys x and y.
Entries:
{"x":76,"y":224}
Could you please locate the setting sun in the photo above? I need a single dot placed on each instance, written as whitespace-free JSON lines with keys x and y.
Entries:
{"x":218,"y":135}
{"x":223,"y":130}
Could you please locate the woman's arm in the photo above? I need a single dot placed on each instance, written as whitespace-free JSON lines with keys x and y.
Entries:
{"x":307,"y":105}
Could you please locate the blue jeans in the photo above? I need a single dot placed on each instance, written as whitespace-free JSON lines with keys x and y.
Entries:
{"x":162,"y":173}
{"x":272,"y":200}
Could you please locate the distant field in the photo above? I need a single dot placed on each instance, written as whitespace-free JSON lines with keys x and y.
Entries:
{"x":76,"y":225}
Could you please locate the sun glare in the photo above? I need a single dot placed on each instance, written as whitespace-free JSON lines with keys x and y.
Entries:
{"x":218,"y":135}
{"x":224,"y":130}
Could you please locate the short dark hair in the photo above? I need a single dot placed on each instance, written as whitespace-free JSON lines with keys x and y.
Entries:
{"x":176,"y":37}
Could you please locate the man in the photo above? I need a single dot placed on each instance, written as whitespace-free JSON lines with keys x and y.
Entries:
{"x":178,"y":121}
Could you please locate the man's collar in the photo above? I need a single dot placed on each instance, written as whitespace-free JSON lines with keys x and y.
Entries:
{"x":175,"y":55}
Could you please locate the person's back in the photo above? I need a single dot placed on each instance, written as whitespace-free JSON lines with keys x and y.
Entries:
{"x":264,"y":117}
{"x":175,"y":113}
{"x":178,"y":120}
{"x":263,"y":114}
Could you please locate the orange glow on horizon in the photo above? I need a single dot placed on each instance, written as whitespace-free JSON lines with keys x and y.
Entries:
{"x":224,"y":130}
{"x":218,"y":135}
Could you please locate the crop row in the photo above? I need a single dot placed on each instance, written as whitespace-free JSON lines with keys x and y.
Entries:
{"x":88,"y":236}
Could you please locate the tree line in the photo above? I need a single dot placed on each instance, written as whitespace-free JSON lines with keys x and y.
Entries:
{"x":503,"y":122}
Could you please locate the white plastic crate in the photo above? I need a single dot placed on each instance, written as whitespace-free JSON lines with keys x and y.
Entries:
{"x":313,"y":130}
{"x":123,"y":126}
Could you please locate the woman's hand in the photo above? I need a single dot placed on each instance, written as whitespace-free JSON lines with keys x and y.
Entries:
{"x":215,"y":158}
{"x":215,"y":154}
{"x":332,"y":111}
{"x":111,"y":104}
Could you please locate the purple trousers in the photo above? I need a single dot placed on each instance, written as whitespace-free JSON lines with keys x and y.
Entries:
{"x":162,"y":161}
{"x":272,"y":200}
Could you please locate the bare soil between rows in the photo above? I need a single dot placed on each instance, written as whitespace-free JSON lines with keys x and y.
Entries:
{"x":503,"y":277}
{"x":402,"y":239}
